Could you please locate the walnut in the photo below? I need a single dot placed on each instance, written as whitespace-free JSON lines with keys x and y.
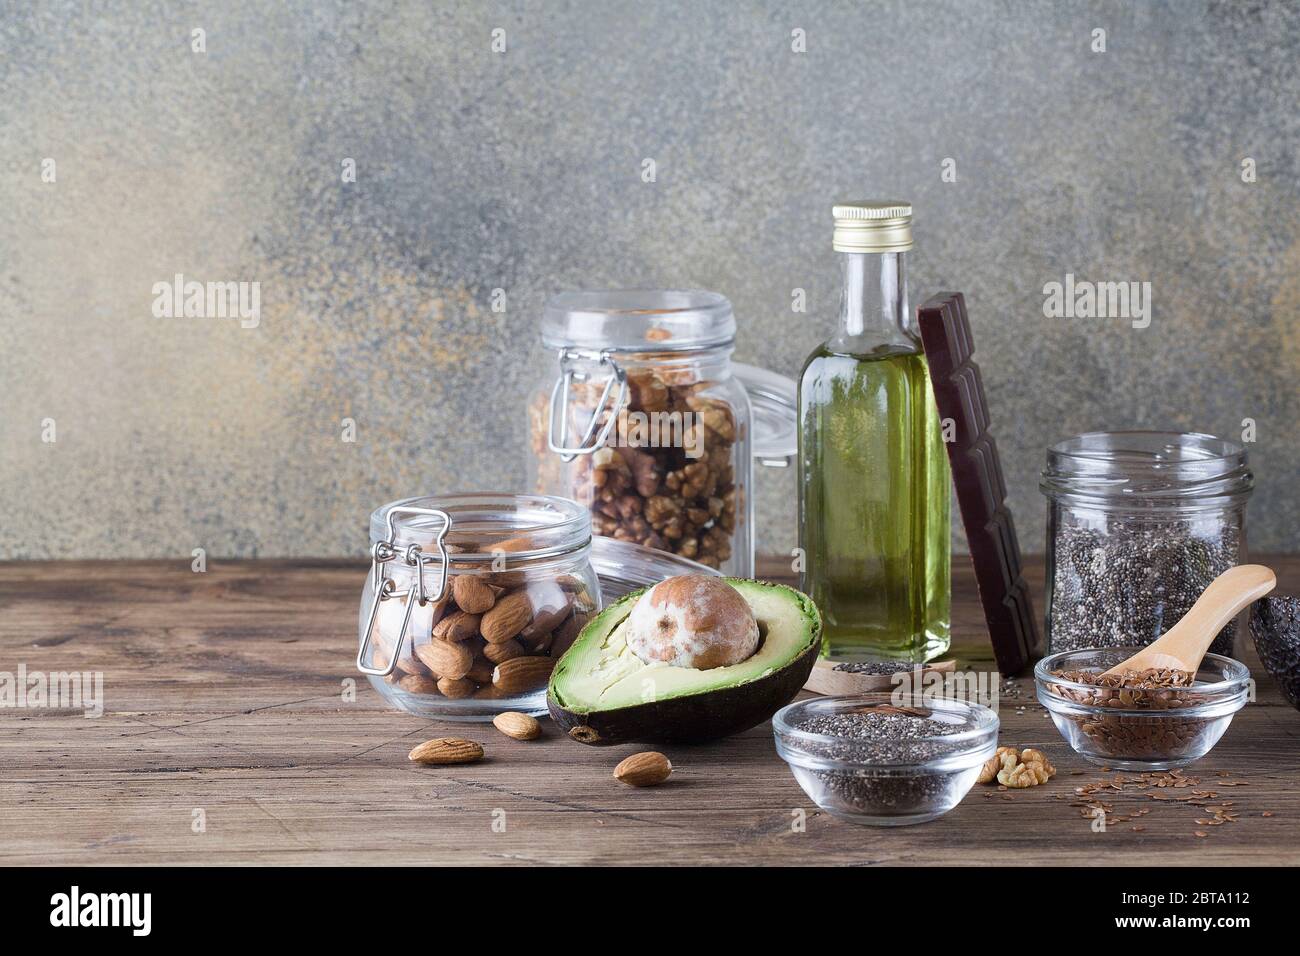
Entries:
{"x":717,"y":541}
{"x":695,"y":480}
{"x":644,"y":470}
{"x":989,"y":772}
{"x":678,"y":498}
{"x":716,"y":415}
{"x":628,"y":506}
{"x":1020,"y":776}
{"x":1017,"y":769}
{"x":1039,"y":758}
{"x":660,"y":509}
{"x":647,"y":392}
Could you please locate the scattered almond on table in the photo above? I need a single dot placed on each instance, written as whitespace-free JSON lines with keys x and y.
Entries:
{"x":517,"y":725}
{"x":446,"y":750}
{"x":645,"y":769}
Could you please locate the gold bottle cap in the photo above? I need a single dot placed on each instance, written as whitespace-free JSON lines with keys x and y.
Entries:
{"x":879,"y":225}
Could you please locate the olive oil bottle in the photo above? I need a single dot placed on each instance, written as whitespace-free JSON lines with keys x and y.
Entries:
{"x":874,"y":481}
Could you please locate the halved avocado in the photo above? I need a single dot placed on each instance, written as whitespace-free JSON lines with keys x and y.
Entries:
{"x":601,"y":693}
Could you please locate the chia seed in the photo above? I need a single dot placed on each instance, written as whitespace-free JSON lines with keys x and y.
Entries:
{"x":881,"y":668}
{"x":1126,"y":583}
{"x":884,"y":736}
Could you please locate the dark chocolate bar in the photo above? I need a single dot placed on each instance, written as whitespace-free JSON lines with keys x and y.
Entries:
{"x":977,"y":475}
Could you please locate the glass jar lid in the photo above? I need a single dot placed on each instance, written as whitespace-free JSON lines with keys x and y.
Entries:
{"x":646,"y":323}
{"x":774,"y":400}
{"x":1181,"y":469}
{"x":638,"y":320}
{"x":483,"y":525}
{"x":625,"y":566}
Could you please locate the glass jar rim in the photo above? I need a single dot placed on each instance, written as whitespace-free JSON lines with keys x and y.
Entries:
{"x":638,"y":320}
{"x":626,"y":566}
{"x":485,"y":525}
{"x":1144,"y":467}
{"x":1235,"y":674}
{"x":980,"y":728}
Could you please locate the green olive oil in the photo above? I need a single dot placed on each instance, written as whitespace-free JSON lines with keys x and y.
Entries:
{"x":874,"y":478}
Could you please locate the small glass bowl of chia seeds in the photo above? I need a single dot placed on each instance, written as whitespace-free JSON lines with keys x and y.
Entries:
{"x":1155,"y":720}
{"x":885,"y":759}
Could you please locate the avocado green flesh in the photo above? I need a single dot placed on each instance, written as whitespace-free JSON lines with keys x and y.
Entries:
{"x":601,"y":673}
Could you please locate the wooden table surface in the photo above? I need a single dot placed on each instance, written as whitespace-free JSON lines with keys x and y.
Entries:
{"x":226,"y":739}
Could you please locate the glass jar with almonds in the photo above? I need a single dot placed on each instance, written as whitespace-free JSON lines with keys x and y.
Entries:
{"x":471,"y":599}
{"x":649,"y":424}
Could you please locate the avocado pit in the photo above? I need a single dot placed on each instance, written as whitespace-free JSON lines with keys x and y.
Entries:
{"x":694,"y":621}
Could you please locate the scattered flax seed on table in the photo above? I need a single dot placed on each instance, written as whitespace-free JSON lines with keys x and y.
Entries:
{"x":1095,"y":798}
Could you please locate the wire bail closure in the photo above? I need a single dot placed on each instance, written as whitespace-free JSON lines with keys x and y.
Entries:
{"x":385,"y":588}
{"x":585,"y":445}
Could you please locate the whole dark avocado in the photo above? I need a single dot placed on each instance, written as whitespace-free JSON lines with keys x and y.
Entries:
{"x":600,"y":693}
{"x":1275,"y":626}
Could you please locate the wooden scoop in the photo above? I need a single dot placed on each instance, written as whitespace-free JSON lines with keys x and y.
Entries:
{"x":1184,"y":645}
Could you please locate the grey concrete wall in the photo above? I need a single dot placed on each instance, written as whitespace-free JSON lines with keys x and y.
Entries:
{"x":522,"y":170}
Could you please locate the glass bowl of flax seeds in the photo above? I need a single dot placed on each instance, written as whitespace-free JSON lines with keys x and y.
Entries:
{"x":885,"y":759}
{"x":1147,"y":720}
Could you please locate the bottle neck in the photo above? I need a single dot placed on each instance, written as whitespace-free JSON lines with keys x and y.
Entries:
{"x":873,"y":303}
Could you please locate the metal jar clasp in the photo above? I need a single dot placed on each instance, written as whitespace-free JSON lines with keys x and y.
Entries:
{"x":560,"y":392}
{"x":386,"y":588}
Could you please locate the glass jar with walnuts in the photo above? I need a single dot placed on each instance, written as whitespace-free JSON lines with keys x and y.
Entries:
{"x":649,"y":424}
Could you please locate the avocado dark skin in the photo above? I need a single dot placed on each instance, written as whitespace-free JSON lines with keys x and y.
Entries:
{"x":692,"y":718}
{"x":724,"y":712}
{"x":1275,"y":626}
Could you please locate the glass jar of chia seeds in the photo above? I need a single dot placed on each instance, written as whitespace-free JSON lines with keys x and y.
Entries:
{"x":652,"y":427}
{"x":470,"y":600}
{"x":1138,"y":524}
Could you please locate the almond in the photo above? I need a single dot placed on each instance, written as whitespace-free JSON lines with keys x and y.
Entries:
{"x":472,"y":594}
{"x":503,"y":581}
{"x":505,"y":651}
{"x":481,"y":671}
{"x":518,"y":726}
{"x":539,"y":644}
{"x":644,"y":769}
{"x":550,"y":607}
{"x":507,"y":618}
{"x":571,"y":583}
{"x":446,"y":659}
{"x":418,"y":684}
{"x":413,"y":666}
{"x":567,"y":633}
{"x":456,"y":689}
{"x":379,"y":659}
{"x":457,"y":626}
{"x":521,"y":674}
{"x":443,"y":750}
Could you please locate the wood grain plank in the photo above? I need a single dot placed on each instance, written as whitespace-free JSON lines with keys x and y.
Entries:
{"x":224,"y":694}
